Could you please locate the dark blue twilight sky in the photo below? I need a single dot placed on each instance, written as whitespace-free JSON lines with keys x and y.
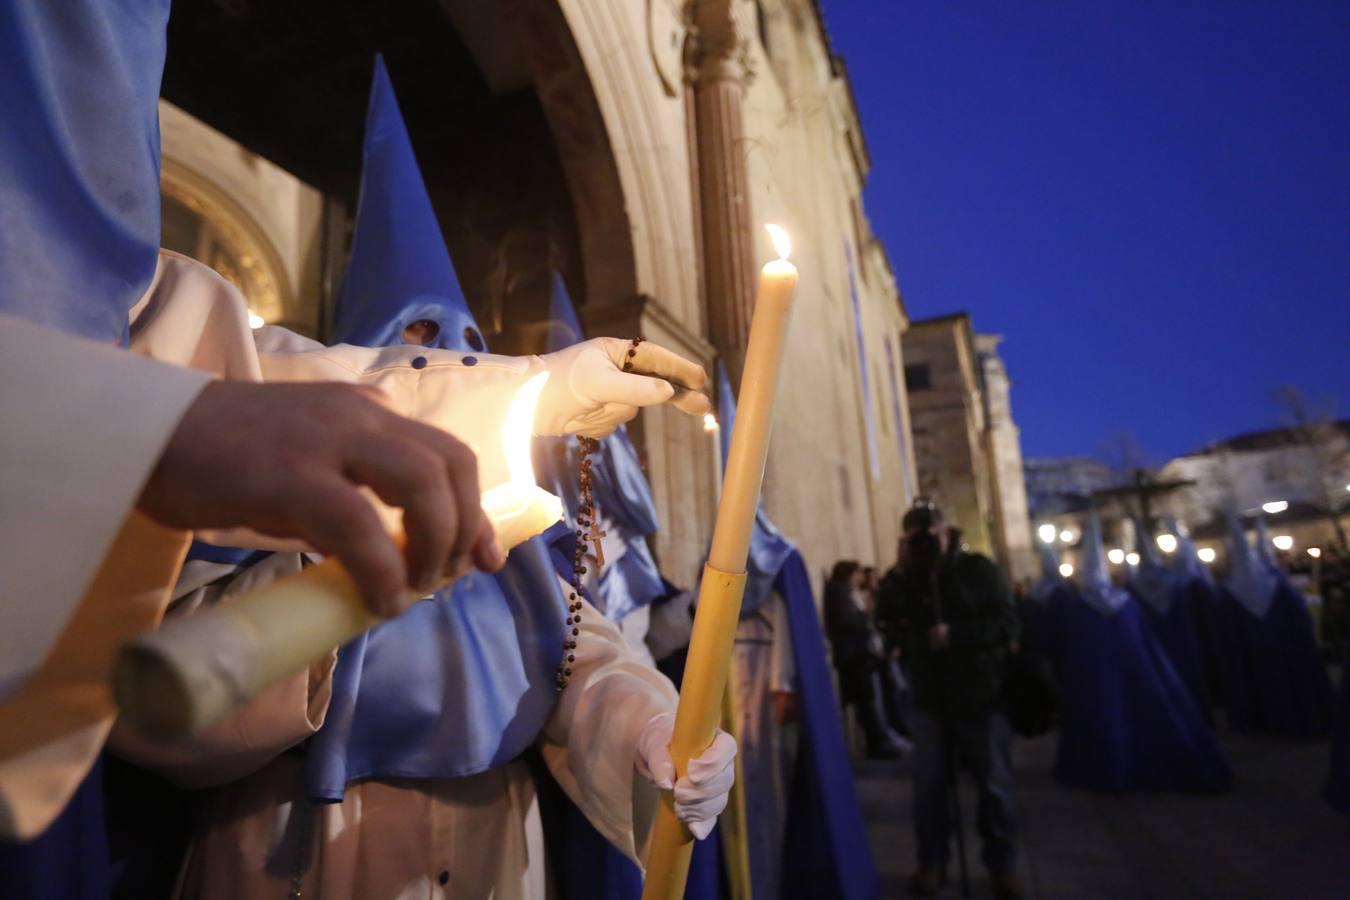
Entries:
{"x":1151,"y":200}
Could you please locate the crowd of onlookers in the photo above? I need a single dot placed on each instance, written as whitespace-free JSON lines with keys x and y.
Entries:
{"x":870,"y":678}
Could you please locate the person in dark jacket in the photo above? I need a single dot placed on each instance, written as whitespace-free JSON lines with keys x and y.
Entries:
{"x":951,"y":615}
{"x":858,"y":657}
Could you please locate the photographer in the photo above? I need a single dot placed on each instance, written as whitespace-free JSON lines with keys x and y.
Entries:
{"x":951,"y":616}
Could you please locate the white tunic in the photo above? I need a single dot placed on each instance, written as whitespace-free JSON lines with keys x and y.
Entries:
{"x":479,"y":836}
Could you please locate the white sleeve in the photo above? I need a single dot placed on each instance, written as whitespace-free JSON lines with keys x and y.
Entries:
{"x":83,"y":426}
{"x":590,"y":741}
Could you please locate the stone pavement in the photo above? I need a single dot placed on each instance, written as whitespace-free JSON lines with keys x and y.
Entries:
{"x":1272,"y":838}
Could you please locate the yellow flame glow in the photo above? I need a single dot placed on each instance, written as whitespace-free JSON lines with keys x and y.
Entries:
{"x":518,"y":429}
{"x":782,"y":244}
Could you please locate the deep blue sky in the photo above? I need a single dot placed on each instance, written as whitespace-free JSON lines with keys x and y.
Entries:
{"x":1151,"y":200}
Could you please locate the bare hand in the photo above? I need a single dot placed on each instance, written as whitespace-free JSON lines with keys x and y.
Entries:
{"x":289,"y":460}
{"x":939,"y":637}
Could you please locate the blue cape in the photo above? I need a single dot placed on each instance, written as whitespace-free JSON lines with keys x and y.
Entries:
{"x":1337,"y":790}
{"x":79,"y":200}
{"x":1166,"y":606}
{"x":1127,"y":722}
{"x":465,"y":681}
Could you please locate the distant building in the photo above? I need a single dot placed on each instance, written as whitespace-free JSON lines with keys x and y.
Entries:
{"x":966,"y":443}
{"x":1298,"y":478}
{"x":1055,"y":483}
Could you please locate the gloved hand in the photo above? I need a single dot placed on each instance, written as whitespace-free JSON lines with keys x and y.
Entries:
{"x":701,"y":795}
{"x":588,"y":392}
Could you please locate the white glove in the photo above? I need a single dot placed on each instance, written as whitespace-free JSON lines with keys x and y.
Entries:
{"x":588,"y":392}
{"x":701,"y":795}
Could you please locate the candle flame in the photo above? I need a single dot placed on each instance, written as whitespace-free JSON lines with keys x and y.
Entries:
{"x":518,"y":429}
{"x":782,"y":244}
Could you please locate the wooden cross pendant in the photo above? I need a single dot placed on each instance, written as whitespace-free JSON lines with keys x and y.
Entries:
{"x":594,"y":537}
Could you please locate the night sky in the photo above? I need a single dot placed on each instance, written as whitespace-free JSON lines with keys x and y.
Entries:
{"x":1150,"y":200}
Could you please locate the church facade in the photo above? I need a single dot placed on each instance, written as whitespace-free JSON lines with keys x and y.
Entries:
{"x":636,"y":149}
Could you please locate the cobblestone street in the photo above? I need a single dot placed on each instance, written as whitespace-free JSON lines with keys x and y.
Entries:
{"x":1273,"y":837}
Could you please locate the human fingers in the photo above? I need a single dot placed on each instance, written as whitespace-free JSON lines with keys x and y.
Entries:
{"x":413,"y":478}
{"x":334,"y":517}
{"x":461,"y":469}
{"x":487,"y":553}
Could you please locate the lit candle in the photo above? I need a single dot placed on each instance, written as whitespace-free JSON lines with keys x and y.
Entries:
{"x":723,"y":586}
{"x":193,"y":671}
{"x":520,"y":509}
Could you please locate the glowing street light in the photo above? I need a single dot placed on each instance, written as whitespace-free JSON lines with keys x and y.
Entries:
{"x":1115,"y":555}
{"x":1206,"y":554}
{"x":1132,"y":559}
{"x":1315,"y":552}
{"x":1283,"y":542}
{"x":1065,"y":569}
{"x":1046,"y":533}
{"x":1275,"y":506}
{"x":1167,"y":543}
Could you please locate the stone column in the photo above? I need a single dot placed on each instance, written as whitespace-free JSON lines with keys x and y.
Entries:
{"x":717,"y":73}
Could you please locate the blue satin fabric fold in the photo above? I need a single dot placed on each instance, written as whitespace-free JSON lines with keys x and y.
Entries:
{"x":466,"y":680}
{"x":79,"y":200}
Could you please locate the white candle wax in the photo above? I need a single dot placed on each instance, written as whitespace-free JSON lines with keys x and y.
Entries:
{"x":754,"y":417}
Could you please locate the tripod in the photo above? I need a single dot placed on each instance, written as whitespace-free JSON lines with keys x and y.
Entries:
{"x":948,"y":740}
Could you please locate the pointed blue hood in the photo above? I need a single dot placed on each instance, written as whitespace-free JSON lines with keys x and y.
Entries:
{"x":1187,"y":559}
{"x":1151,"y":580}
{"x":1050,"y":578}
{"x":400,"y":271}
{"x":1251,"y":580}
{"x":1094,"y":578}
{"x":1264,"y":545}
{"x":465,"y":681}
